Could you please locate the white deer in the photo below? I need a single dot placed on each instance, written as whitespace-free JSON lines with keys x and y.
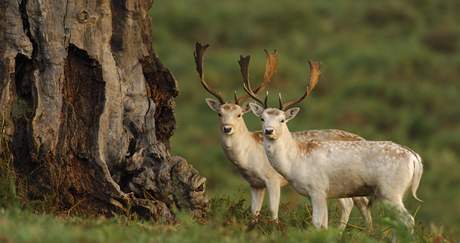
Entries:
{"x":245,"y":148}
{"x":337,"y":169}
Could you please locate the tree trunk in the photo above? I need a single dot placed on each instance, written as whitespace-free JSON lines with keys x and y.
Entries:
{"x":87,"y":110}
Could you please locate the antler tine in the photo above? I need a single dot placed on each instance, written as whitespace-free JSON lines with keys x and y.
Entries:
{"x":315,"y":73}
{"x":280,"y":101}
{"x":244,"y":68}
{"x":314,"y":78}
{"x":254,"y":96}
{"x":271,"y":65}
{"x":198,"y":54}
{"x":237,"y":100}
{"x":266,"y":100}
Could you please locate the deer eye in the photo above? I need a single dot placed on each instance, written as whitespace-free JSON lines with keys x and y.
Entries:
{"x":262,"y":119}
{"x":239,"y":115}
{"x":219,"y":114}
{"x":282,"y":121}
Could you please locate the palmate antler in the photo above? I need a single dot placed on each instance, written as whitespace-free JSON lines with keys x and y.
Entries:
{"x":271,"y":65}
{"x":270,"y":69}
{"x":314,"y":78}
{"x":199,"y":53}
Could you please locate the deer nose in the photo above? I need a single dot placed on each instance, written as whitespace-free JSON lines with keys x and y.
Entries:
{"x":268,"y":131}
{"x":227,"y":129}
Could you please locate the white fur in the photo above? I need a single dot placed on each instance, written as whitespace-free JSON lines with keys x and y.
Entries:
{"x":247,"y":154}
{"x":338,"y":169}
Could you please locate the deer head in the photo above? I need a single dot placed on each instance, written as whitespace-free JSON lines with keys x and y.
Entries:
{"x":230,"y":113}
{"x":274,"y":119}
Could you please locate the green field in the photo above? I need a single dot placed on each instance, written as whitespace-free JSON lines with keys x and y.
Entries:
{"x":390,"y":71}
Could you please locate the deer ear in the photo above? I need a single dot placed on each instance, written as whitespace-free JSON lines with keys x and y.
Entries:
{"x":256,"y":109}
{"x":291,"y":113}
{"x":213,"y":104}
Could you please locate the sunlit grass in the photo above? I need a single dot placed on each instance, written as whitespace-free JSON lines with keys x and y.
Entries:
{"x":380,"y":78}
{"x":390,"y":71}
{"x":228,"y":221}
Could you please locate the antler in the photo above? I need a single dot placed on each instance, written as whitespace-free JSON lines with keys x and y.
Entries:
{"x":199,"y":53}
{"x":244,"y":67}
{"x":314,"y":78}
{"x":271,"y":65}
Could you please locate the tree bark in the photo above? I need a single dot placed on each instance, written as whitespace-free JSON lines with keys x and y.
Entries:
{"x":88,"y":110}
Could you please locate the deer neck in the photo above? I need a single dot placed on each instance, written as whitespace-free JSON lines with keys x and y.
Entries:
{"x":280,"y":151}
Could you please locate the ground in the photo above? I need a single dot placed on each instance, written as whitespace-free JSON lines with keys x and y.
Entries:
{"x":390,"y":71}
{"x":229,"y":221}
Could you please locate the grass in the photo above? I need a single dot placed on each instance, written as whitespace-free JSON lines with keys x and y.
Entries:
{"x":390,"y":71}
{"x":227,"y":222}
{"x":386,"y":75}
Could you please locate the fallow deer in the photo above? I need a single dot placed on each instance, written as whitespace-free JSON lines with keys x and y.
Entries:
{"x":336,"y":169}
{"x":244,"y":148}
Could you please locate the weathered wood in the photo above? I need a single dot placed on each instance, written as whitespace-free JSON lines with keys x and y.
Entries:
{"x":89,"y":109}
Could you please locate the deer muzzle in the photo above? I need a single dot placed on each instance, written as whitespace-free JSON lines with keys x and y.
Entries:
{"x":227,"y":129}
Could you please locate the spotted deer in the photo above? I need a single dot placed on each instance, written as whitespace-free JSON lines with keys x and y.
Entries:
{"x":381,"y":170}
{"x":245,"y":149}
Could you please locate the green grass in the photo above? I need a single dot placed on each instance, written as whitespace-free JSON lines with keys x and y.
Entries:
{"x":390,"y":71}
{"x":227,"y":222}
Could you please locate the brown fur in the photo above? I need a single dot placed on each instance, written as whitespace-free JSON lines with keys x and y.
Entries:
{"x":228,"y":107}
{"x":258,"y":137}
{"x":337,"y":135}
{"x":307,"y":147}
{"x":348,"y":137}
{"x":273,"y":112}
{"x":361,"y":191}
{"x":345,"y":136}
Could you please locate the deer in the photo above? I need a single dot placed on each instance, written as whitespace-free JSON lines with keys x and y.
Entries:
{"x":245,"y":148}
{"x":331,"y":169}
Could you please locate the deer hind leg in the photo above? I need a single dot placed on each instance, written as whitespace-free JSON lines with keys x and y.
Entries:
{"x":362,"y":203}
{"x":274,"y":190}
{"x":346,"y":207}
{"x":393,"y":196}
{"x":319,"y":204}
{"x":257,"y":199}
{"x":405,"y":216}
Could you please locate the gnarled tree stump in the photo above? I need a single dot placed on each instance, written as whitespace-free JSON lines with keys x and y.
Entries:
{"x":88,"y":109}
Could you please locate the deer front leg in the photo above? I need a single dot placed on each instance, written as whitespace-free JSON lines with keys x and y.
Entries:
{"x":346,"y":206}
{"x":319,"y":205}
{"x":257,"y":198}
{"x":274,"y":189}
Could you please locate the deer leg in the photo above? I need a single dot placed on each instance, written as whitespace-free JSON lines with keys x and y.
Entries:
{"x":393,"y":196}
{"x":274,"y":190}
{"x":405,"y":216}
{"x":346,"y":206}
{"x":363,"y":205}
{"x":257,"y":199}
{"x":319,"y":205}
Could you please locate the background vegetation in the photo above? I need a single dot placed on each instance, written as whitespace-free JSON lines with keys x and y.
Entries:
{"x":390,"y":71}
